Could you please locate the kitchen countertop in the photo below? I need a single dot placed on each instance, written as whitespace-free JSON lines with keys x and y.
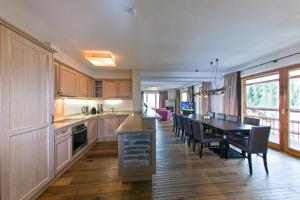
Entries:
{"x":134,"y":123}
{"x":74,"y":119}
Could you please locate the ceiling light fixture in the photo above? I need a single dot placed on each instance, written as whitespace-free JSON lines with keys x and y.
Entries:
{"x":132,"y":11}
{"x":100,"y":58}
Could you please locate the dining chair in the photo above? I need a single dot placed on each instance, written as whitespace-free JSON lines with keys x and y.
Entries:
{"x":232,"y":118}
{"x":251,"y":121}
{"x":221,"y":116}
{"x":256,"y":143}
{"x":179,"y":129}
{"x":201,"y":138}
{"x":211,"y":114}
{"x":246,"y":120}
{"x":174,"y":122}
{"x":187,"y":129}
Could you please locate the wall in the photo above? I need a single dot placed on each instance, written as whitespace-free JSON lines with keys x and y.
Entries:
{"x":67,"y":106}
{"x":277,"y":54}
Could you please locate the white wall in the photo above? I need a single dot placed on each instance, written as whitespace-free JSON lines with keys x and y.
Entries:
{"x":277,"y":54}
{"x":73,"y":106}
{"x":136,"y":91}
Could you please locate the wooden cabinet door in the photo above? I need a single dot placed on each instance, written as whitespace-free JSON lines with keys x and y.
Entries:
{"x":122,"y":119}
{"x":26,"y":139}
{"x":92,"y":130}
{"x":110,"y":89}
{"x":124,"y":89}
{"x":56,"y":78}
{"x":82,"y":85}
{"x":63,"y":149}
{"x":91,"y":88}
{"x":108,"y":126}
{"x":67,"y":81}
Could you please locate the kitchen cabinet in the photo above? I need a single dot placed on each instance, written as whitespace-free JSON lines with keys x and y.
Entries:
{"x":56,"y":78}
{"x":117,"y":89}
{"x":68,"y":79}
{"x":91,"y":88}
{"x":63,"y":149}
{"x":108,"y":125}
{"x":110,"y":89}
{"x":26,"y":139}
{"x":92,"y":130}
{"x":124,"y":88}
{"x":82,"y":85}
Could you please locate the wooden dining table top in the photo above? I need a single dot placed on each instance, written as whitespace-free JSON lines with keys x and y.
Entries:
{"x":220,"y":124}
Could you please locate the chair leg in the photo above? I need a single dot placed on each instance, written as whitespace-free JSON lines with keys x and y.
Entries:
{"x":194,"y":146}
{"x":200,"y":150}
{"x":265,"y":162}
{"x":250,"y":163}
{"x":243,"y":154}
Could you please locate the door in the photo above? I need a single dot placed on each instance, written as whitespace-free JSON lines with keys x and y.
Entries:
{"x":92,"y":130}
{"x":108,"y":126}
{"x":124,"y":89}
{"x":63,"y":149}
{"x":82,"y":85}
{"x":293,"y":115}
{"x":27,"y":139}
{"x":110,"y":89}
{"x":262,"y":100}
{"x":67,"y":81}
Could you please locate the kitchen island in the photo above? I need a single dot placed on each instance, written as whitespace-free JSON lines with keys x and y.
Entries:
{"x":137,"y":146}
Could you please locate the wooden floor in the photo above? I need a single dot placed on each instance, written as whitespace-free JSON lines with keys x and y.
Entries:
{"x":180,"y":175}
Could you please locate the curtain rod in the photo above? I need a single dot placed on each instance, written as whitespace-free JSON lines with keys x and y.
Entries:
{"x":272,"y":61}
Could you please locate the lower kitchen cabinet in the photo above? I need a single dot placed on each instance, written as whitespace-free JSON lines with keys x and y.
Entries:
{"x":92,"y":130}
{"x":107,"y":125}
{"x":63,"y":149}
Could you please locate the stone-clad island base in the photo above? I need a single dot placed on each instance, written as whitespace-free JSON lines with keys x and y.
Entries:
{"x":137,"y":146}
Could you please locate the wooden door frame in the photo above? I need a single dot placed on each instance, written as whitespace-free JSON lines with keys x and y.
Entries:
{"x":283,"y":105}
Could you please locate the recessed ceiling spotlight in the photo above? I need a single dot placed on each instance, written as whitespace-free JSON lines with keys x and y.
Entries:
{"x":132,"y":11}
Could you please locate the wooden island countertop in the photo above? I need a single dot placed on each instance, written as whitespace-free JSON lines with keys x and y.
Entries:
{"x":137,"y":146}
{"x":135,"y":122}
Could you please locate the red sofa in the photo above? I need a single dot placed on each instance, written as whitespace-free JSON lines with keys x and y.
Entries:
{"x":164,"y":114}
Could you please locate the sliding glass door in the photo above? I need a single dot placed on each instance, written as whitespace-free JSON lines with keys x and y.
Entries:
{"x":261,"y":94}
{"x":274,"y":98}
{"x":293,"y":139}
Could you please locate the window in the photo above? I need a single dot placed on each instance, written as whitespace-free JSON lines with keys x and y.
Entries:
{"x":183,"y":97}
{"x":262,"y":101}
{"x":152,"y":99}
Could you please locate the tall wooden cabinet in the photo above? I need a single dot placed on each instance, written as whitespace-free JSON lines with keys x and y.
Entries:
{"x":26,"y":130}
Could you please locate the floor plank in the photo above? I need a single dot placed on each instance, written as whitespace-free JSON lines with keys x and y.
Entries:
{"x":180,"y":175}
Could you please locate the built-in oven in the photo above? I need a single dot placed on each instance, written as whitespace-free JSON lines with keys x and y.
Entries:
{"x":79,"y":137}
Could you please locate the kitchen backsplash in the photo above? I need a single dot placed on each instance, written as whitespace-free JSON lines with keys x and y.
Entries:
{"x":67,"y":106}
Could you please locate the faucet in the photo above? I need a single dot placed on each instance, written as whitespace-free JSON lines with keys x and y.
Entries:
{"x":112,"y":109}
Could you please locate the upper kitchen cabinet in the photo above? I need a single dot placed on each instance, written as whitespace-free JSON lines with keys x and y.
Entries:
{"x":68,"y":79}
{"x":91,"y":86}
{"x":110,"y":89}
{"x":117,"y":89}
{"x":27,"y":138}
{"x":124,"y":88}
{"x":82,"y":85}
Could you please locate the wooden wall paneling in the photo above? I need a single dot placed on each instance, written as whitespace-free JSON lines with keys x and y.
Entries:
{"x":68,"y":81}
{"x":27,"y":138}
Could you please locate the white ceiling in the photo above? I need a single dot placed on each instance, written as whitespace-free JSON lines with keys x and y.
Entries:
{"x":167,"y":35}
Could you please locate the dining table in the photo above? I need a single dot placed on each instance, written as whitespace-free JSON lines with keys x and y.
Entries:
{"x":223,"y":128}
